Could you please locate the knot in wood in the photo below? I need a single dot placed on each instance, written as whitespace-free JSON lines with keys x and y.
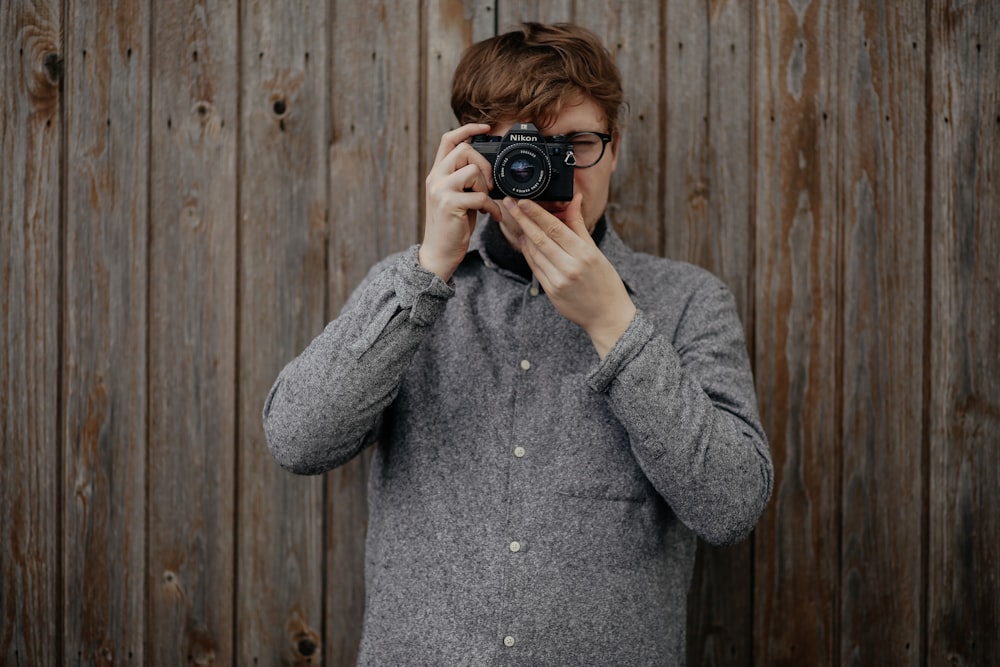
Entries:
{"x":306,"y":647}
{"x":53,"y":65}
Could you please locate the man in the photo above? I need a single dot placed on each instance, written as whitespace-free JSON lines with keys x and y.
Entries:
{"x":558,"y":418}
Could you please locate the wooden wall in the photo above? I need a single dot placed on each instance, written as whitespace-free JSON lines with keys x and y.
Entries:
{"x":191,"y":188}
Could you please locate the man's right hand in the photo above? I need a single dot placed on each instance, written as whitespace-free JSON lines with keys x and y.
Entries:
{"x":458,"y":186}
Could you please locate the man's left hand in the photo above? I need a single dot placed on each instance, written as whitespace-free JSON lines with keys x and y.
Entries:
{"x":579,"y":280}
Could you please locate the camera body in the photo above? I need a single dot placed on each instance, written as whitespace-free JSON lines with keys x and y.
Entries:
{"x":526,"y":166}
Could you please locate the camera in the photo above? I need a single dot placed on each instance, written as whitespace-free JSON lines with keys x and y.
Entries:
{"x":526,"y":166}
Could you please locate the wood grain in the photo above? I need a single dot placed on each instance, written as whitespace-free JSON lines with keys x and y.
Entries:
{"x":963,"y":589}
{"x":686,"y":48}
{"x":720,"y":610}
{"x":283,"y":209}
{"x":882,"y":180}
{"x":191,"y":190}
{"x":30,"y":185}
{"x":375,"y":182}
{"x":105,"y":362}
{"x":633,"y":38}
{"x":730,"y":221}
{"x":192,"y":335}
{"x":796,"y":293}
{"x":450,"y":26}
{"x":512,"y":13}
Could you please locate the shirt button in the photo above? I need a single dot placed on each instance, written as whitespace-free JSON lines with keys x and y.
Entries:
{"x":519,"y":452}
{"x":515,"y":546}
{"x":533,"y":291}
{"x":525,"y":364}
{"x":508,"y":641}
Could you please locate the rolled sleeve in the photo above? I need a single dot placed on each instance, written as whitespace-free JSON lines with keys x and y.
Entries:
{"x":628,"y":347}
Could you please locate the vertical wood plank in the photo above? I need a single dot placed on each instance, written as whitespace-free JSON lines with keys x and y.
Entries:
{"x":105,"y":331}
{"x":685,"y":173}
{"x":882,"y":181}
{"x":30,"y":129}
{"x":632,"y":35}
{"x":450,"y":26}
{"x":192,"y":332}
{"x":796,"y":339}
{"x":963,"y":595}
{"x":730,"y":160}
{"x":512,"y":13}
{"x":721,"y":600}
{"x":282,"y":293}
{"x":375,"y":183}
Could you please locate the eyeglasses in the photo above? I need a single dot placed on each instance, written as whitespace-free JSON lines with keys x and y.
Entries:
{"x":586,"y":148}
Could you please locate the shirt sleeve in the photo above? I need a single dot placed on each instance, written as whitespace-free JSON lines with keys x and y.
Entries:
{"x":327,"y":403}
{"x":689,"y":406}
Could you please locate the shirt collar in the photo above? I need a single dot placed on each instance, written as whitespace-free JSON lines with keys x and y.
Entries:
{"x":613,"y":247}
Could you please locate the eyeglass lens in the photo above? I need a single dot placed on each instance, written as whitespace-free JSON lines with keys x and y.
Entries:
{"x":587,"y":149}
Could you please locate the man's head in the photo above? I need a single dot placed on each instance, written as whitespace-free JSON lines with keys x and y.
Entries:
{"x":559,"y":77}
{"x":532,"y":74}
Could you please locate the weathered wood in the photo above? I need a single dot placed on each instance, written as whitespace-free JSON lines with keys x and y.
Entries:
{"x":632,"y":35}
{"x":963,"y":588}
{"x":720,"y":613}
{"x":192,"y":352}
{"x":375,"y":189}
{"x":882,"y":179}
{"x":450,"y":26}
{"x":105,"y":369}
{"x":720,"y":604}
{"x":796,"y":306}
{"x":282,"y":258}
{"x":730,"y":222}
{"x":30,"y":130}
{"x":512,"y":13}
{"x":686,"y":95}
{"x":834,"y":163}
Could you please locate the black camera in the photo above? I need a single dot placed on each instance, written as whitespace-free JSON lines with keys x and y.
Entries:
{"x":526,"y":166}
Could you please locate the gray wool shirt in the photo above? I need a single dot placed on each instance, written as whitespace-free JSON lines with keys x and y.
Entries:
{"x":530,"y":503}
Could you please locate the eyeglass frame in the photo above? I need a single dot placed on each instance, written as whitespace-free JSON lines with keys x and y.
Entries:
{"x":567,"y":138}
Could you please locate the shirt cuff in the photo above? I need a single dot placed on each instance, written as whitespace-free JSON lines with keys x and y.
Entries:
{"x":639,"y":332}
{"x":420,"y":290}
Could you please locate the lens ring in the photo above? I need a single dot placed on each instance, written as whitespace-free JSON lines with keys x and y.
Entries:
{"x":522,"y":171}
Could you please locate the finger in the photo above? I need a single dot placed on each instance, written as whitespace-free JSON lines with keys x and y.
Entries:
{"x":469,"y":202}
{"x":468,"y":178}
{"x":544,"y":230}
{"x":539,"y":263}
{"x":574,"y":217}
{"x":450,"y":140}
{"x":529,"y":227}
{"x":460,"y":157}
{"x":548,"y":223}
{"x":454,"y":145}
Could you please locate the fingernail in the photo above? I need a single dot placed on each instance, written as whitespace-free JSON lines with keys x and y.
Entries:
{"x":510,"y":203}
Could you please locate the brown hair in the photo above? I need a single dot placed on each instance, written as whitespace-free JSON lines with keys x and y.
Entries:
{"x":532,"y":73}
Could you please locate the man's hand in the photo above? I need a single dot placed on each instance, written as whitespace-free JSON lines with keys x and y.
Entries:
{"x":579,"y":280}
{"x":458,"y":185}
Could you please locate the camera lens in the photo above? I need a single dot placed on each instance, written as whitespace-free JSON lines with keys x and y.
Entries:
{"x":522,"y":171}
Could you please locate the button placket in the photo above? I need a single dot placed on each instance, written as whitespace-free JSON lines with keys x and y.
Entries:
{"x":519,"y":469}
